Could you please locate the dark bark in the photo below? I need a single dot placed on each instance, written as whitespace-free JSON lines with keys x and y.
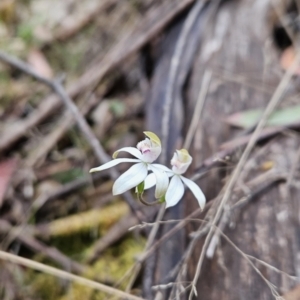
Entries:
{"x":237,"y":46}
{"x":266,"y":228}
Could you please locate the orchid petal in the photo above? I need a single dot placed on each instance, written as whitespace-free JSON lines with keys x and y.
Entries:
{"x":150,"y":151}
{"x":175,"y":191}
{"x":180,"y":161}
{"x":195,"y":189}
{"x":133,"y":151}
{"x":151,"y":155}
{"x":113,"y":163}
{"x":130,"y":179}
{"x":150,"y":181}
{"x":162,"y":167}
{"x":162,"y":182}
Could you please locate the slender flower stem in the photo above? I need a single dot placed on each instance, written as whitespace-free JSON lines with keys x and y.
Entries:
{"x":140,"y":197}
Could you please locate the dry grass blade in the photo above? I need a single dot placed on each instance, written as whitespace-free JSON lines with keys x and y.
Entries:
{"x":150,"y":241}
{"x":51,"y":252}
{"x":198,"y":109}
{"x":245,"y":256}
{"x":70,"y":27}
{"x":65,"y":275}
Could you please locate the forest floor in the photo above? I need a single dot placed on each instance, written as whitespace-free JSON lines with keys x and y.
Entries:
{"x":52,"y":210}
{"x":74,"y":86}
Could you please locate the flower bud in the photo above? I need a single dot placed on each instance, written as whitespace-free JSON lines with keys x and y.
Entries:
{"x":181,"y":161}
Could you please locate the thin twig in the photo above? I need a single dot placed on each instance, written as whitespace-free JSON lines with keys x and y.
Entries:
{"x":245,"y":256}
{"x":65,"y":123}
{"x":65,"y":31}
{"x":255,"y":187}
{"x":150,"y":241}
{"x":177,"y":227}
{"x":296,"y":278}
{"x":264,"y":134}
{"x":37,"y":246}
{"x":198,"y":109}
{"x":65,"y":275}
{"x":65,"y":190}
{"x":183,"y":264}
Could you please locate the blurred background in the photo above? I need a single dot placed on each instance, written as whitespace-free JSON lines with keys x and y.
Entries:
{"x":197,"y":73}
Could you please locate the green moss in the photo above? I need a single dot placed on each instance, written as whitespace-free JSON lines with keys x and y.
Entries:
{"x":65,"y":58}
{"x":70,"y":175}
{"x":118,"y":108}
{"x":109,"y":269}
{"x":45,"y":287}
{"x":117,"y":260}
{"x":77,"y":139}
{"x":74,"y":247}
{"x":25,"y":32}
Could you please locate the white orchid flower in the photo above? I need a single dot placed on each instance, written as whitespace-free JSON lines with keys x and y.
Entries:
{"x":146,"y":152}
{"x":180,"y":162}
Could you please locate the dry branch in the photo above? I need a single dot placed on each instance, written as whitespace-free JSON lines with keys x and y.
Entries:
{"x":65,"y":190}
{"x":38,"y":247}
{"x":81,"y":122}
{"x":153,"y":23}
{"x":70,"y":27}
{"x":65,"y":275}
{"x":50,"y":140}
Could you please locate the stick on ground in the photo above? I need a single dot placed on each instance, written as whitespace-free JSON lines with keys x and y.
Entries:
{"x":57,"y":87}
{"x":65,"y":275}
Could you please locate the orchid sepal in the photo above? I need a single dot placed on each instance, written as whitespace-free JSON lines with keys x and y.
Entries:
{"x":130,"y":179}
{"x":175,"y":191}
{"x":180,"y":161}
{"x":195,"y":189}
{"x":133,"y":151}
{"x":113,"y":163}
{"x":150,"y":147}
{"x":162,"y":181}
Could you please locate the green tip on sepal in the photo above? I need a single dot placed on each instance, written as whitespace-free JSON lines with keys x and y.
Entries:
{"x":153,"y":137}
{"x":184,"y":151}
{"x":115,"y":154}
